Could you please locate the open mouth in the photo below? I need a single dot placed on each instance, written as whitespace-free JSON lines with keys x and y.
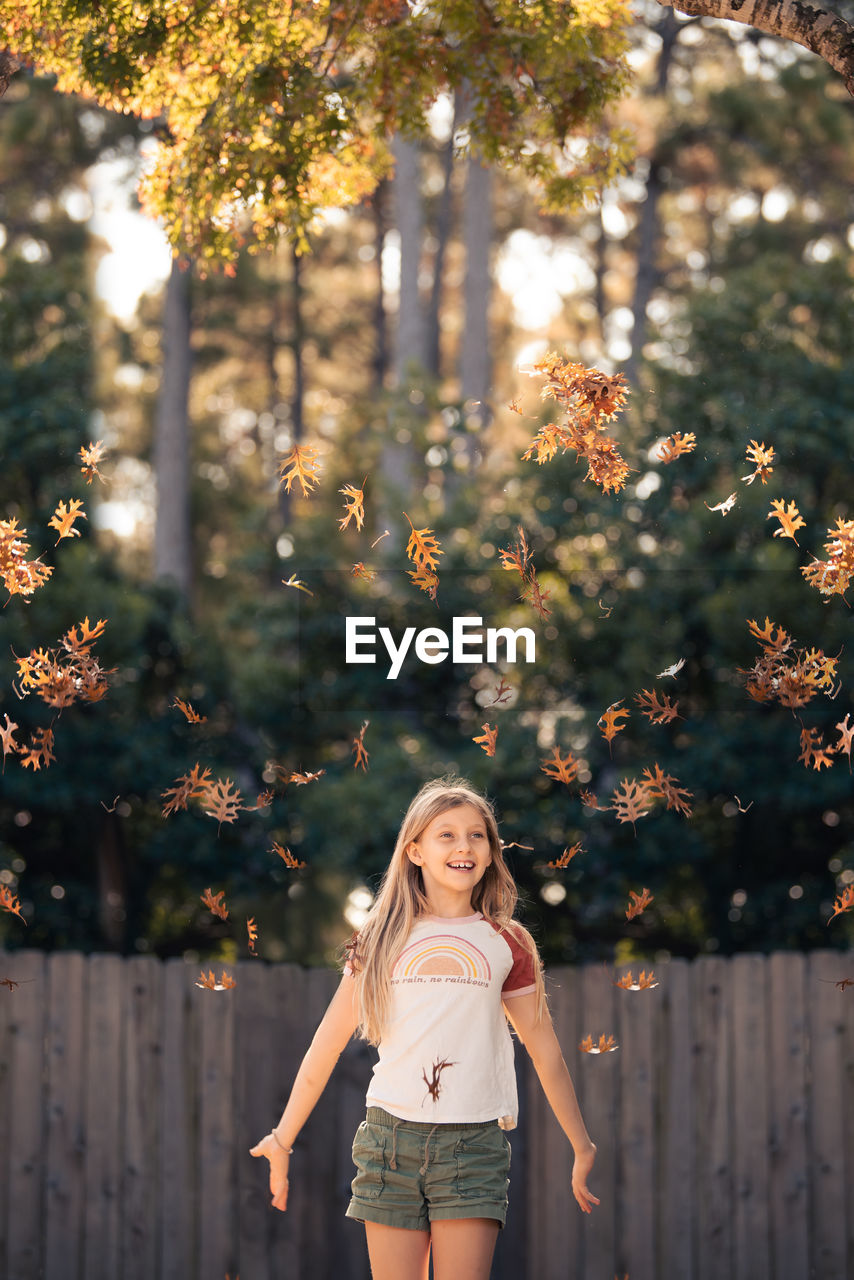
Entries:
{"x":461,"y":866}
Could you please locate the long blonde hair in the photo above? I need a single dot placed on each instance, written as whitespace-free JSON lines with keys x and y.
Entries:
{"x":401,"y":899}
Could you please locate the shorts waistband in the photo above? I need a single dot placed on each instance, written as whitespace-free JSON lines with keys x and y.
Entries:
{"x":376,"y":1115}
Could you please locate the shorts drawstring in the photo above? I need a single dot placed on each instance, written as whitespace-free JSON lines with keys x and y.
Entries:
{"x":423,"y":1168}
{"x":392,"y":1164}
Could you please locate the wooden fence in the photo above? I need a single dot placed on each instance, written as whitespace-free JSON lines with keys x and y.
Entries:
{"x":129,"y":1098}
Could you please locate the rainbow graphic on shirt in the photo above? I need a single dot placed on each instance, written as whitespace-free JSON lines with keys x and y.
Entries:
{"x":442,"y":955}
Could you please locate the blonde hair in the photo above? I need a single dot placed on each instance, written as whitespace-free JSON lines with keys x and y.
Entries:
{"x":401,"y":899}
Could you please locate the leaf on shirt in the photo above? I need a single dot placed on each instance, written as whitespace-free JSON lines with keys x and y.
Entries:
{"x":434,"y":1087}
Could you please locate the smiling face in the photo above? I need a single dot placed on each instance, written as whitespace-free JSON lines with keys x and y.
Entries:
{"x":453,"y":854}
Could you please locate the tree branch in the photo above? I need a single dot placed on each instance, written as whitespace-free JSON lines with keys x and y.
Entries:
{"x":9,"y":64}
{"x":824,"y":33}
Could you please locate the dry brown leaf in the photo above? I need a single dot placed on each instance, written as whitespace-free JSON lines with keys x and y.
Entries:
{"x":561,"y":768}
{"x":215,"y":902}
{"x":292,"y":863}
{"x":487,"y":739}
{"x":300,"y":465}
{"x":362,"y":754}
{"x":566,"y":857}
{"x":63,"y":519}
{"x":639,"y":902}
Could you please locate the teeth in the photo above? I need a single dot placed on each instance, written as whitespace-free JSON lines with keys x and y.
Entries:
{"x":461,"y":866}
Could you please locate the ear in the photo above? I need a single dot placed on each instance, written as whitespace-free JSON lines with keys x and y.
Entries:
{"x":413,"y":853}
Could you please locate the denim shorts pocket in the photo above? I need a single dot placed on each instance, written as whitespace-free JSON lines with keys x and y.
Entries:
{"x":483,"y":1165}
{"x":369,"y":1159}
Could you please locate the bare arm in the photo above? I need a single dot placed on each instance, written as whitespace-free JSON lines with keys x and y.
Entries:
{"x":330,"y":1039}
{"x":538,"y":1037}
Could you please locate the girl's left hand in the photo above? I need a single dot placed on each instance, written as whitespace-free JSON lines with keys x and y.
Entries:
{"x":279,"y":1162}
{"x":580,"y":1173}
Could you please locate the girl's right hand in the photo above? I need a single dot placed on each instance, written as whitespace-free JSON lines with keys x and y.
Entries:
{"x":279,"y":1162}
{"x":580,"y":1173}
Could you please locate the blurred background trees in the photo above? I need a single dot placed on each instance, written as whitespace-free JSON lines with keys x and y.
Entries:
{"x":717,"y":274}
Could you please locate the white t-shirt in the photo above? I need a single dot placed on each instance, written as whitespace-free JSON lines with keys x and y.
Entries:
{"x":446,"y":1055}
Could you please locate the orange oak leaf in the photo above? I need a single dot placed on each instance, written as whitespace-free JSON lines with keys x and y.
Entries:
{"x":8,"y":902}
{"x":215,"y":902}
{"x":208,"y":981}
{"x":724,"y":507}
{"x":589,"y":800}
{"x":224,"y":799}
{"x":21,"y":577}
{"x":588,"y":396}
{"x":663,"y":786}
{"x":302,"y":779}
{"x":762,"y":459}
{"x":265,"y":799}
{"x":789,"y":517}
{"x":646,"y":981}
{"x":359,"y":571}
{"x":90,"y":456}
{"x":610,"y":718}
{"x":426,"y":579}
{"x":605,"y":1044}
{"x":63,"y":519}
{"x":40,"y":750}
{"x":487,"y":739}
{"x":561,"y":768}
{"x":832,"y":576}
{"x":535,"y":596}
{"x":778,"y":643}
{"x":843,"y":902}
{"x":677,"y":444}
{"x":300,"y":465}
{"x":566,"y":857}
{"x":843,"y":746}
{"x":292,"y":863}
{"x":502,"y":693}
{"x":639,"y":901}
{"x":813,"y":750}
{"x":192,"y":786}
{"x":187,"y":709}
{"x":517,"y":556}
{"x":354,"y":504}
{"x":422,"y":548}
{"x":656,"y":710}
{"x":360,"y":749}
{"x":252,"y":931}
{"x":7,"y":734}
{"x":631,"y":801}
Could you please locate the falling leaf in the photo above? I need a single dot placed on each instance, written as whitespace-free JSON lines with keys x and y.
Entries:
{"x":672,"y":670}
{"x":606,"y":1044}
{"x":663,"y":786}
{"x":561,"y":768}
{"x":487,"y":739}
{"x":514,"y":407}
{"x":659,"y":712}
{"x":762,"y":459}
{"x":742,"y":808}
{"x":502,"y":693}
{"x":631,"y":801}
{"x":354,"y":500}
{"x":208,"y":981}
{"x":832,"y":576}
{"x":645,"y":981}
{"x":300,"y":464}
{"x":422,"y":548}
{"x":589,"y":800}
{"x":302,"y":779}
{"x":287,"y":857}
{"x":224,"y":800}
{"x":843,"y":902}
{"x":426,"y":580}
{"x":192,"y":786}
{"x":359,"y":571}
{"x":606,"y":612}
{"x":8,"y":902}
{"x":215,"y":902}
{"x":518,"y":557}
{"x":724,"y":507}
{"x":813,"y":750}
{"x":566,"y":857}
{"x":433,"y":1085}
{"x":252,"y":931}
{"x":265,"y":799}
{"x":588,"y":396}
{"x":63,"y":519}
{"x":384,"y":534}
{"x":193,"y":717}
{"x":10,"y":746}
{"x":293,"y":581}
{"x":40,"y":750}
{"x":610,"y":718}
{"x":789,"y":518}
{"x":843,"y":746}
{"x":21,"y":577}
{"x":90,"y":456}
{"x":359,"y":748}
{"x":677,"y":444}
{"x":639,"y":902}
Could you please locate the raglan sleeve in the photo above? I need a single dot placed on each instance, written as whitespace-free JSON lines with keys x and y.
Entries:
{"x":521,"y":980}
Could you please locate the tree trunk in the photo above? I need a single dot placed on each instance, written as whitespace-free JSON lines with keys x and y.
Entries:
{"x":410,"y":348}
{"x":380,"y":363}
{"x":475,"y":363}
{"x":824,"y":33}
{"x":173,"y":559}
{"x":444,"y":218}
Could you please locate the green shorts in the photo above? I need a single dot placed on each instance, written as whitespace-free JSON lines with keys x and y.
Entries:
{"x":409,"y":1174}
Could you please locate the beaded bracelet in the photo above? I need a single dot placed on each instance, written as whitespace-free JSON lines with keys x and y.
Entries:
{"x":287,"y":1150}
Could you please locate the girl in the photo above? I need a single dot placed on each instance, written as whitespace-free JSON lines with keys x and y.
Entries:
{"x":437,"y":965}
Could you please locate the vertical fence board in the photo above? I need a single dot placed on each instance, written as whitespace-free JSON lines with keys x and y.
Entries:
{"x":176,"y":1167}
{"x":143,"y":1057}
{"x":104,"y":1069}
{"x":827,"y":1107}
{"x":7,"y":970}
{"x":66,"y":1121}
{"x":841,"y":970}
{"x":216,"y":1226}
{"x":293,"y":1030}
{"x":354,"y":1073}
{"x":676,"y":1111}
{"x":636,"y":1211}
{"x":320,"y":1222}
{"x":747,"y":975}
{"x":597,"y":1082}
{"x":713,"y":1044}
{"x":789,"y":1183}
{"x":255,"y":1107}
{"x":24,"y":1201}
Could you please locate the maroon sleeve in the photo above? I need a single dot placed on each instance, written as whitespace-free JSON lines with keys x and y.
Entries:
{"x":522,"y":978}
